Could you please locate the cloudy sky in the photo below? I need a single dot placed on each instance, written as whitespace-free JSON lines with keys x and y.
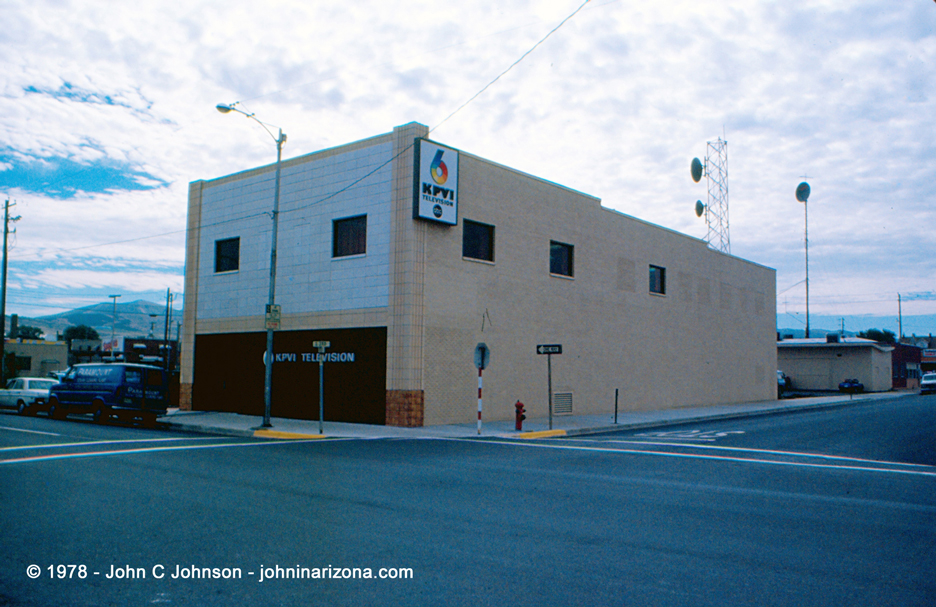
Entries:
{"x":107,"y":112}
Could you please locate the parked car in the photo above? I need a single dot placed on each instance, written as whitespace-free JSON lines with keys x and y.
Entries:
{"x":116,"y":390}
{"x":784,"y":383}
{"x":851,"y":386}
{"x":928,"y":383}
{"x":26,"y":394}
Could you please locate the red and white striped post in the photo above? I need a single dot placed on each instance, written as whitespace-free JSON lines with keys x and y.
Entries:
{"x":480,"y":382}
{"x":482,"y":357}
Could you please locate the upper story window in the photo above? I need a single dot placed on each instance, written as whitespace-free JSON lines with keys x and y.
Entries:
{"x":477,"y":240}
{"x":658,"y":280}
{"x":561,"y":259}
{"x":227,"y":255}
{"x":349,"y":236}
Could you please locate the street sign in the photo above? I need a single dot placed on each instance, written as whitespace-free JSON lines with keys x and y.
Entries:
{"x":549,"y":349}
{"x":273,"y":315}
{"x":482,"y":356}
{"x":321,"y":345}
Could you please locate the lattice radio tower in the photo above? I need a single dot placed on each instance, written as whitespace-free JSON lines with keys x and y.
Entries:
{"x":715,"y":170}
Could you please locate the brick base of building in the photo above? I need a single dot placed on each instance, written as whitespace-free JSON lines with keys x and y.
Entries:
{"x":185,"y":397}
{"x":405,"y":408}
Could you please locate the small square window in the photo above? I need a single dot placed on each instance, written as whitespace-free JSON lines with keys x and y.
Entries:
{"x":658,"y":280}
{"x":477,"y":240}
{"x":349,"y":236}
{"x":227,"y":255}
{"x":561,"y":258}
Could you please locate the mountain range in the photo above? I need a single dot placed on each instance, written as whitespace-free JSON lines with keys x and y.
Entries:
{"x":920,"y":325}
{"x":133,"y":319}
{"x":140,"y":318}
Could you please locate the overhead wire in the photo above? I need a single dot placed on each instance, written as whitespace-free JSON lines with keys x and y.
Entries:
{"x":357,"y":181}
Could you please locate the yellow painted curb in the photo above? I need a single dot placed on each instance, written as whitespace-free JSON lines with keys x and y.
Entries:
{"x":542,"y":434}
{"x":285,"y":435}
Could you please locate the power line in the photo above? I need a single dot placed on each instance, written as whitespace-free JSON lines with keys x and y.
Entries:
{"x":512,"y":65}
{"x":350,"y":185}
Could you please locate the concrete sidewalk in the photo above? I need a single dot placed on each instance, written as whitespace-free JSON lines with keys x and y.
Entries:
{"x":233,"y":424}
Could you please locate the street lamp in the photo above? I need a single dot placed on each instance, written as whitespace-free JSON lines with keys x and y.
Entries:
{"x":270,"y":309}
{"x":802,"y":195}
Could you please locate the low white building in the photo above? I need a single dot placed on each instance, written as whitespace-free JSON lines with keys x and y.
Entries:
{"x":822,"y":363}
{"x":405,"y":254}
{"x":35,"y":357}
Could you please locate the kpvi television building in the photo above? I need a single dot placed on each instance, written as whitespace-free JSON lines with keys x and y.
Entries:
{"x":405,"y":254}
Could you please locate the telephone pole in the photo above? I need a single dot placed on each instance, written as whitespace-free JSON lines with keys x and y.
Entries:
{"x":165,"y":346}
{"x":113,"y":345}
{"x":899,"y":318}
{"x":3,"y":286}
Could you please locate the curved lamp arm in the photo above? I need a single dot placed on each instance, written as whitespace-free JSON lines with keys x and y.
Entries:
{"x":227,"y":108}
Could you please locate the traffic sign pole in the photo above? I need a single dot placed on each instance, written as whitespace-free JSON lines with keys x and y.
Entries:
{"x":479,"y":399}
{"x":321,"y":393}
{"x":549,"y":350}
{"x":321,"y":345}
{"x":482,"y":358}
{"x":549,"y":379}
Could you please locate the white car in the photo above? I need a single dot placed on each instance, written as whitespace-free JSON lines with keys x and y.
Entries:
{"x":928,"y":383}
{"x":25,"y":394}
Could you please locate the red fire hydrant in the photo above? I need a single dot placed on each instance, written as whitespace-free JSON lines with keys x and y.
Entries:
{"x":519,"y":416}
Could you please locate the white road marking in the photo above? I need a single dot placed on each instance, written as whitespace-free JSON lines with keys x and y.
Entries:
{"x":931,"y":471}
{"x":108,"y":442}
{"x":765,"y":451}
{"x":37,"y":458}
{"x":29,"y":431}
{"x":694,"y":435}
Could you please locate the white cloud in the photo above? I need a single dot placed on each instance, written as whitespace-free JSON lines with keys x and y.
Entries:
{"x":615,"y":104}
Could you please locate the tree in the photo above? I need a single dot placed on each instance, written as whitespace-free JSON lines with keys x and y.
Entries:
{"x":27,"y":332}
{"x":883,"y":337}
{"x":80,"y":332}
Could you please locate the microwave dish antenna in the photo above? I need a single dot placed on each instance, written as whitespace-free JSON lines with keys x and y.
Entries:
{"x":715,"y":170}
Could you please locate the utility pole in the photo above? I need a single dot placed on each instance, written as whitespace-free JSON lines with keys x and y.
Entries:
{"x":899,"y":318}
{"x":166,"y":349}
{"x":114,"y":328}
{"x":3,"y":286}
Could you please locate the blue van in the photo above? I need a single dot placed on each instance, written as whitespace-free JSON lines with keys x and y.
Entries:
{"x":111,"y":390}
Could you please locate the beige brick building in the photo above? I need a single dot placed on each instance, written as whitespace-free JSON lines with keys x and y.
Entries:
{"x":405,"y":254}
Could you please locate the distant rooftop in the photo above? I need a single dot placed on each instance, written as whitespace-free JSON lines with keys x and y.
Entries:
{"x":833,"y":340}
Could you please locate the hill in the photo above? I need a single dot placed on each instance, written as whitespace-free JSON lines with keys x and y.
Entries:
{"x":920,"y":324}
{"x":134,"y":319}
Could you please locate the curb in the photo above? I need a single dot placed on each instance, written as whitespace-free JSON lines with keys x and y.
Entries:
{"x":720,"y":417}
{"x":545,"y":434}
{"x":286,"y":435}
{"x":538,"y":434}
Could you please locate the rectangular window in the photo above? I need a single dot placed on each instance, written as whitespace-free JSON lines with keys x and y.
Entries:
{"x":477,"y":240}
{"x":227,"y":255}
{"x":658,"y":280}
{"x":561,"y":258}
{"x":349,"y":236}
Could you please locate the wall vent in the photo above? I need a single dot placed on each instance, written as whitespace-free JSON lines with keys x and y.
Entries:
{"x":562,"y":403}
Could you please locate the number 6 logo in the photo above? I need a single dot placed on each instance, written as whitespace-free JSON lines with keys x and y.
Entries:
{"x":438,"y":170}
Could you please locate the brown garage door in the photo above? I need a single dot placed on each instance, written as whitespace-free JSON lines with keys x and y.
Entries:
{"x":229,"y":374}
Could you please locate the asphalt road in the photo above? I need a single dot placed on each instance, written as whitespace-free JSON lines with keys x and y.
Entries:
{"x":822,"y":508}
